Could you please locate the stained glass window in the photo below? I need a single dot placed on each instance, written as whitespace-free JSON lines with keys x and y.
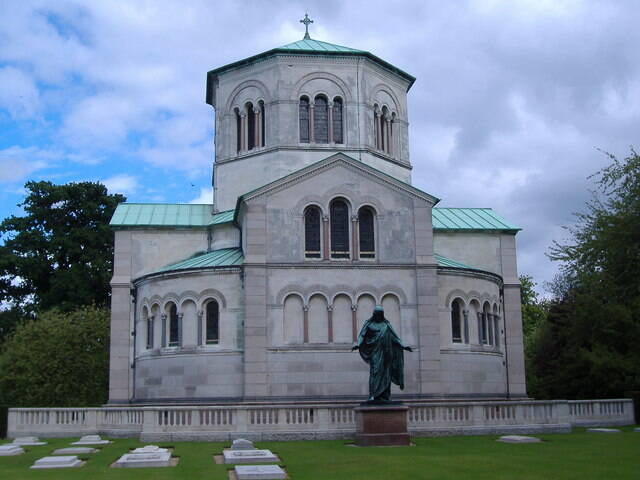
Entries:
{"x":337,"y":121}
{"x":321,"y":120}
{"x":173,"y":326}
{"x":212,"y":323}
{"x":303,"y":113}
{"x":312,"y":233}
{"x":367,"y":235}
{"x":339,"y":229}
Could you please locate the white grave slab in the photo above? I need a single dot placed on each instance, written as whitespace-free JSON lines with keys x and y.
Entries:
{"x":260,"y":472}
{"x":248,"y":456}
{"x":69,"y":461}
{"x":74,"y":451}
{"x":637,"y":429}
{"x":141,"y":460}
{"x":150,"y":449}
{"x":10,"y":450}
{"x":603,"y":430}
{"x":28,"y":441}
{"x":242,"y":444}
{"x":91,"y":440}
{"x":518,"y":439}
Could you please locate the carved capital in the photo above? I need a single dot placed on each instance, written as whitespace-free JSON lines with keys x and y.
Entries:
{"x":354,"y":307}
{"x":305,"y":308}
{"x":200,"y":313}
{"x":325,"y":218}
{"x":329,"y":308}
{"x":163,"y":316}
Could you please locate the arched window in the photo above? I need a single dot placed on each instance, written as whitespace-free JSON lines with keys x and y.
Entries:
{"x":303,"y":114}
{"x":496,"y":326}
{"x":320,"y":120}
{"x":212,"y":323}
{"x":312,"y":232}
{"x":251,"y":127}
{"x":174,"y":326}
{"x":456,"y":321}
{"x":339,"y":229}
{"x":238,"y":130}
{"x":366,"y":233}
{"x":376,"y":125}
{"x":262,"y":122}
{"x":148,"y":320}
{"x":337,"y":121}
{"x":487,"y":333}
{"x":383,"y":129}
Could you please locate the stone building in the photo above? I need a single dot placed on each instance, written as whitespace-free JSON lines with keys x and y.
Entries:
{"x":260,"y":296}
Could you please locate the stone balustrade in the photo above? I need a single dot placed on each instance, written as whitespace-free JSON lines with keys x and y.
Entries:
{"x":293,"y":422}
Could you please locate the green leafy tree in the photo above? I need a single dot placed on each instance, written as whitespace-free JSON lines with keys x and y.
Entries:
{"x":59,"y":253}
{"x":587,"y":346}
{"x":534,"y":313}
{"x":58,"y":359}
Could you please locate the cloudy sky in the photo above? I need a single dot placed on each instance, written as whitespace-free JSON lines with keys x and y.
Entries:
{"x":512,"y":101}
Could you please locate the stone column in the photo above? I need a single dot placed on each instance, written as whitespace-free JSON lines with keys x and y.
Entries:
{"x":243,"y":129}
{"x":312,"y":108}
{"x":330,"y":121}
{"x":164,"y":330}
{"x":180,"y":329}
{"x":330,"y":323}
{"x":479,"y":315}
{"x":256,"y":129}
{"x":387,"y":133}
{"x":354,"y":322}
{"x":496,"y":330}
{"x":326,"y":247}
{"x":199,"y":329}
{"x":354,"y":238}
{"x":376,"y":129}
{"x":305,"y":324}
{"x":465,"y":315}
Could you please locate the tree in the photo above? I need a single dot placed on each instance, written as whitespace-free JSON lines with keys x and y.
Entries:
{"x":587,"y":346}
{"x":59,"y":253}
{"x":534,"y":313}
{"x":58,"y":359}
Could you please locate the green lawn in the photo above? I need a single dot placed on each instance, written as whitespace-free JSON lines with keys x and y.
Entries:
{"x":578,"y":455}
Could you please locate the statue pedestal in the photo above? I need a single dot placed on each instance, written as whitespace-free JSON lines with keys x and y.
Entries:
{"x":381,"y":425}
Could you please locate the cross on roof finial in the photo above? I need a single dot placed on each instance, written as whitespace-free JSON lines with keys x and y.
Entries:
{"x":306,"y":20}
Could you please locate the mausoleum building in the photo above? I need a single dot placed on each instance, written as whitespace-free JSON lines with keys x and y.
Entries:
{"x":260,"y":295}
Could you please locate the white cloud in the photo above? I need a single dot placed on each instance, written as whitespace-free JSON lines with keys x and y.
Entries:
{"x":206,"y":196}
{"x":18,"y":93}
{"x":123,"y":183}
{"x":18,"y":163}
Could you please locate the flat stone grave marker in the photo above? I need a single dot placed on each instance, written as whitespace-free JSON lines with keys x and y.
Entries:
{"x":28,"y":441}
{"x":141,"y":460}
{"x":260,"y":472}
{"x":242,"y":444}
{"x":249,"y":456}
{"x":74,"y":451}
{"x":603,"y":430}
{"x":69,"y":461}
{"x":10,"y":450}
{"x":637,"y":429}
{"x":149,"y":449}
{"x":518,"y":439}
{"x":91,"y":440}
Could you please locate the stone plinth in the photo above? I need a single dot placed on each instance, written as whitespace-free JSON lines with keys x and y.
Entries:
{"x":74,"y":451}
{"x":260,"y":472}
{"x":249,"y":456}
{"x":518,"y":439}
{"x":381,"y":425}
{"x":28,"y":441}
{"x":242,"y":444}
{"x":70,"y":461}
{"x":91,"y":440}
{"x":141,"y":460}
{"x":603,"y":430}
{"x":10,"y":450}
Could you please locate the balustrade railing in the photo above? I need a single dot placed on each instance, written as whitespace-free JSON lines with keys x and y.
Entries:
{"x":313,"y":421}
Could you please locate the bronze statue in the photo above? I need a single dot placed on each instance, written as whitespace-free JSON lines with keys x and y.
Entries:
{"x":382,"y":349}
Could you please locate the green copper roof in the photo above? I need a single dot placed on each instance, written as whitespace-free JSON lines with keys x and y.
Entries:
{"x":306,"y":46}
{"x":309,"y":44}
{"x":225,"y":257}
{"x":167,"y":215}
{"x":470,"y":219}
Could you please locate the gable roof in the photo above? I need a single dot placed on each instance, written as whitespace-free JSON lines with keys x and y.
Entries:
{"x":326,"y":162}
{"x":306,"y":46}
{"x":168,"y":215}
{"x":470,"y":219}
